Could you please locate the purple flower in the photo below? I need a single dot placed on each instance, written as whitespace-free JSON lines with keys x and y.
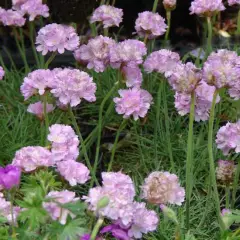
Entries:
{"x":225,"y":212}
{"x":150,"y":24}
{"x":133,"y":102}
{"x":10,"y":176}
{"x":38,"y":109}
{"x":225,"y":171}
{"x":117,"y":231}
{"x":11,"y":18}
{"x":57,"y":37}
{"x":233,"y":2}
{"x":108,"y":15}
{"x":133,"y":76}
{"x":2,"y":73}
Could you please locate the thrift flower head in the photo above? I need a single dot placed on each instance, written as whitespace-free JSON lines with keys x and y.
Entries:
{"x":96,"y":53}
{"x":225,"y":171}
{"x":55,"y":210}
{"x":133,"y":76}
{"x":162,"y":61}
{"x":169,"y":4}
{"x":64,"y":142}
{"x":56,"y":37}
{"x":150,"y":24}
{"x":129,"y":52}
{"x":74,"y":172}
{"x":37,"y":81}
{"x":133,"y":102}
{"x":38,"y":109}
{"x":206,"y":8}
{"x":162,"y":188}
{"x":108,"y":15}
{"x":233,"y":2}
{"x":72,"y":86}
{"x":30,"y":158}
{"x":11,"y":18}
{"x":10,"y":176}
{"x":225,"y":211}
{"x":2,"y":73}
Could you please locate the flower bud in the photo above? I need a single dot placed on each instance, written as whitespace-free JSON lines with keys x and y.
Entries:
{"x":103,"y":202}
{"x":169,"y":213}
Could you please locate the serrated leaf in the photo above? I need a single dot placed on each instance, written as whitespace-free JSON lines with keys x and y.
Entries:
{"x":77,"y":208}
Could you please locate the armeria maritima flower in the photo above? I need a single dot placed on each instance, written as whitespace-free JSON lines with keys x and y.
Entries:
{"x":225,"y":171}
{"x":169,"y":4}
{"x":133,"y":76}
{"x":109,"y":16}
{"x":233,"y":2}
{"x":2,"y":73}
{"x":11,"y":18}
{"x":38,"y":109}
{"x":9,"y":177}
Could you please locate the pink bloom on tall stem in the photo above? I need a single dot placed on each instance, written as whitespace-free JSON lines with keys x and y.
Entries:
{"x":38,"y":109}
{"x":11,"y":18}
{"x":2,"y":73}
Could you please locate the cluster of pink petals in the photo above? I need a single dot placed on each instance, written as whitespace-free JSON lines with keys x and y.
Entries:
{"x":37,"y":82}
{"x":225,"y":171}
{"x":95,"y":53}
{"x":73,"y":85}
{"x":162,"y":61}
{"x":133,"y":102}
{"x":129,"y":52}
{"x":133,"y":76}
{"x":233,"y":2}
{"x":163,"y":188}
{"x":150,"y":24}
{"x":203,"y":101}
{"x":74,"y":172}
{"x":11,"y":18}
{"x":55,"y":210}
{"x":57,"y":37}
{"x":228,"y":138}
{"x":203,"y":7}
{"x":108,"y":15}
{"x":64,"y":143}
{"x":5,"y":210}
{"x":38,"y":109}
{"x":2,"y":73}
{"x":169,"y":4}
{"x":30,"y":158}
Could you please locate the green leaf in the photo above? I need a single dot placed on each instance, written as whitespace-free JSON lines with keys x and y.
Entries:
{"x":77,"y":208}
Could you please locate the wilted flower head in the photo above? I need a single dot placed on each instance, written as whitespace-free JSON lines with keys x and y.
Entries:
{"x":150,"y":24}
{"x":11,"y":18}
{"x":55,"y":210}
{"x":9,"y":177}
{"x":225,"y":171}
{"x":30,"y":158}
{"x":133,"y":76}
{"x":233,"y":2}
{"x":37,"y":81}
{"x":162,"y":188}
{"x":108,"y":15}
{"x":64,"y":142}
{"x":206,"y":8}
{"x":133,"y":102}
{"x":38,"y":109}
{"x":162,"y":61}
{"x":95,"y":53}
{"x":169,"y":4}
{"x":57,"y":37}
{"x":2,"y":73}
{"x":73,"y":85}
{"x":185,"y":78}
{"x":129,"y":52}
{"x":74,"y":172}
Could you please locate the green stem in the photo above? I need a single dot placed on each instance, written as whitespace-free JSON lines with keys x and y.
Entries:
{"x":102,"y":2}
{"x":189,"y":161}
{"x":96,"y":228}
{"x":227,"y":196}
{"x":46,"y":118}
{"x":235,"y":184}
{"x":113,"y":2}
{"x":211,"y":160}
{"x":42,"y":140}
{"x":122,"y":126}
{"x":83,"y":146}
{"x":155,"y":4}
{"x":51,"y":58}
{"x":32,"y":36}
{"x":238,"y":23}
{"x":105,"y":31}
{"x":12,"y":195}
{"x":168,"y":13}
{"x":210,"y":32}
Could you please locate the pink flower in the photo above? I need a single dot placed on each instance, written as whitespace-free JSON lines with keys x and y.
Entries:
{"x":225,"y":212}
{"x":30,"y":158}
{"x":207,"y":8}
{"x":129,"y":52}
{"x":150,"y":24}
{"x":57,"y":37}
{"x":162,"y":188}
{"x":73,"y":85}
{"x":233,"y":2}
{"x":133,"y":76}
{"x":169,"y":4}
{"x":133,"y":102}
{"x":225,"y":171}
{"x":38,"y":109}
{"x":2,"y":73}
{"x":64,"y":142}
{"x":11,"y":18}
{"x":37,"y":81}
{"x":108,"y":15}
{"x":96,"y":53}
{"x":162,"y":61}
{"x":74,"y":172}
{"x":55,"y":210}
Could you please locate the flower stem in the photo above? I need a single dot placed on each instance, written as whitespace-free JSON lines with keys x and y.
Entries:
{"x":155,"y":4}
{"x":46,"y":118}
{"x":211,"y":160}
{"x":227,"y":196}
{"x":105,"y":31}
{"x":32,"y":36}
{"x":12,"y":195}
{"x":96,"y":228}
{"x":235,"y":184}
{"x":50,"y":59}
{"x":122,"y":126}
{"x":74,"y":122}
{"x":189,"y":161}
{"x":209,"y":38}
{"x":168,"y":13}
{"x":113,"y":2}
{"x":238,"y":23}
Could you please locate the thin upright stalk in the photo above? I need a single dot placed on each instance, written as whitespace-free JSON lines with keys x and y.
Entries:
{"x":46,"y":118}
{"x":113,"y":2}
{"x":12,"y":195}
{"x":155,"y":4}
{"x":32,"y":37}
{"x":227,"y":195}
{"x":209,"y":38}
{"x":96,"y":228}
{"x":235,"y":184}
{"x":211,"y":160}
{"x":145,"y":39}
{"x":122,"y":126}
{"x":105,"y":31}
{"x":168,"y":13}
{"x":189,"y":161}
{"x":102,"y":2}
{"x":238,"y":23}
{"x":50,"y":59}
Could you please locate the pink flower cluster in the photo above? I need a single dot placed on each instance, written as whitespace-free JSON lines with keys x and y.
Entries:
{"x":120,"y":191}
{"x":96,"y":53}
{"x":57,"y":37}
{"x":109,"y":16}
{"x":38,"y":109}
{"x":2,"y":73}
{"x":11,"y":18}
{"x":133,"y":76}
{"x":55,"y":210}
{"x":228,"y":138}
{"x":206,"y":8}
{"x":233,"y":2}
{"x":150,"y":24}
